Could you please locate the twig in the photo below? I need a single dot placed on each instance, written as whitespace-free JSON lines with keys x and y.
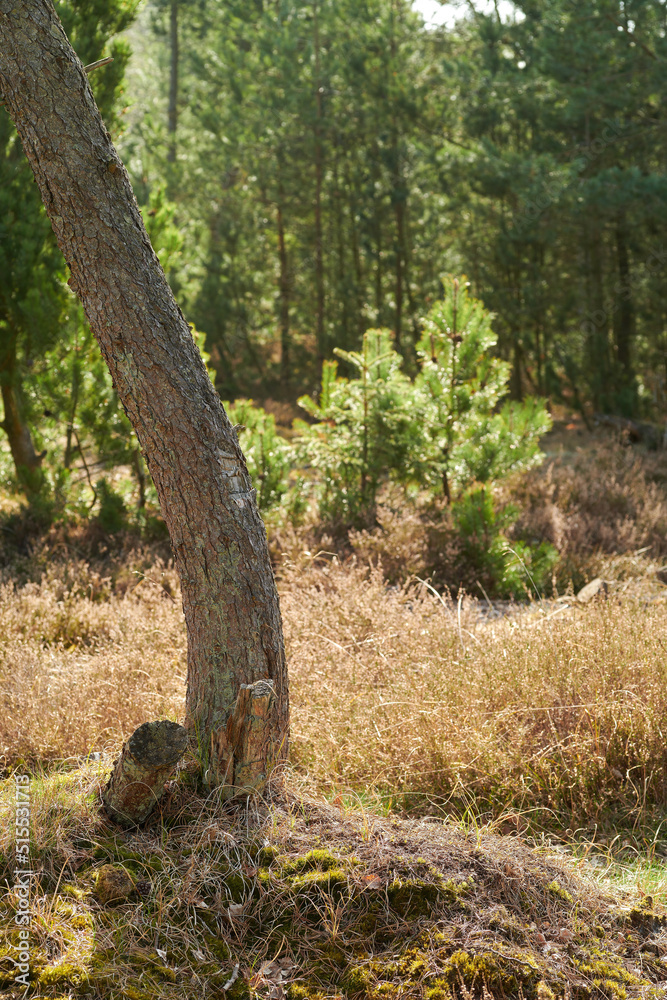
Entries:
{"x":232,"y":979}
{"x":99,"y":62}
{"x":564,"y":607}
{"x":435,"y":592}
{"x":85,"y":465}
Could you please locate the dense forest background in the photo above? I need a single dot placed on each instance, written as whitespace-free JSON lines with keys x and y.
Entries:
{"x":327,"y":162}
{"x":307,"y":171}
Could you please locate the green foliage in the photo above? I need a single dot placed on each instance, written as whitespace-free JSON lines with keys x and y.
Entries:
{"x":507,"y":569}
{"x":267,"y":454}
{"x":111,"y":515}
{"x":34,"y":298}
{"x":443,"y":431}
{"x":467,"y":436}
{"x":364,"y":430}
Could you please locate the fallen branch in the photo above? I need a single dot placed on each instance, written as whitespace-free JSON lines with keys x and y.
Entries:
{"x":98,"y":63}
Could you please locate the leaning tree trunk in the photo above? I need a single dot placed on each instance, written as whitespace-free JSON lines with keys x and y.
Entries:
{"x":218,"y":538}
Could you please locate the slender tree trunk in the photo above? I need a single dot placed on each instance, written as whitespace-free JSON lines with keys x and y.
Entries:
{"x":284,"y":290}
{"x":407,"y":269}
{"x":27,"y":462}
{"x":379,"y":304}
{"x":398,"y":293}
{"x":319,"y":167}
{"x":516,"y":380}
{"x":625,"y":313}
{"x":74,"y":402}
{"x":173,"y":80}
{"x":356,"y":254}
{"x":343,"y":337}
{"x":597,"y":320}
{"x":218,"y":538}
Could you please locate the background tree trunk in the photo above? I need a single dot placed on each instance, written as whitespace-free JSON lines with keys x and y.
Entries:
{"x":218,"y":538}
{"x":173,"y":80}
{"x":26,"y":460}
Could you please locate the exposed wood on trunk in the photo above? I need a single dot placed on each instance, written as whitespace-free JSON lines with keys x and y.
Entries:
{"x":218,"y":538}
{"x":242,"y":751}
{"x":146,"y":761}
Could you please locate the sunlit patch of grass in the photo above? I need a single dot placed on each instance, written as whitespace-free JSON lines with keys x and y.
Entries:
{"x":400,"y":700}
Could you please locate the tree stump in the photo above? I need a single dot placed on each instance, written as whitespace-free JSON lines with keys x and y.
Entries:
{"x":241,"y":751}
{"x":146,"y":761}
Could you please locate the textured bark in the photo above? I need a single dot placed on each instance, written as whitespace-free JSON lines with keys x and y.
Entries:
{"x":218,"y":538}
{"x":146,"y":761}
{"x":26,"y":460}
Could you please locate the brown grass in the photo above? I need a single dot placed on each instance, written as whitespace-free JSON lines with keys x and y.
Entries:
{"x":556,"y":712}
{"x":83,"y":662}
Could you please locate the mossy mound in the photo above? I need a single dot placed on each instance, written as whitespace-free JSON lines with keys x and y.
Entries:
{"x":301,"y":901}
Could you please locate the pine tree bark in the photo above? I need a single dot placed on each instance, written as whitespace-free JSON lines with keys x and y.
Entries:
{"x":218,"y":538}
{"x":147,"y":759}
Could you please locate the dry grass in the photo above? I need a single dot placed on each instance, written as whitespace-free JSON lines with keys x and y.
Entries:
{"x":555,"y":713}
{"x":82,"y":662}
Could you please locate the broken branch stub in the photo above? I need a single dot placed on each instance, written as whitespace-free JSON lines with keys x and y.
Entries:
{"x":241,"y":751}
{"x":146,"y":761}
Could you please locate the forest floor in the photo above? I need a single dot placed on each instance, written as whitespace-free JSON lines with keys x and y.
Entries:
{"x":475,"y":796}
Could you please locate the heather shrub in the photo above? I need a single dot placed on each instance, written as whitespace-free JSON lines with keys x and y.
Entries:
{"x":585,"y":509}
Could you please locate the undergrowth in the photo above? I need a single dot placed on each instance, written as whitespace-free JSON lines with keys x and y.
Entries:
{"x":290,"y":898}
